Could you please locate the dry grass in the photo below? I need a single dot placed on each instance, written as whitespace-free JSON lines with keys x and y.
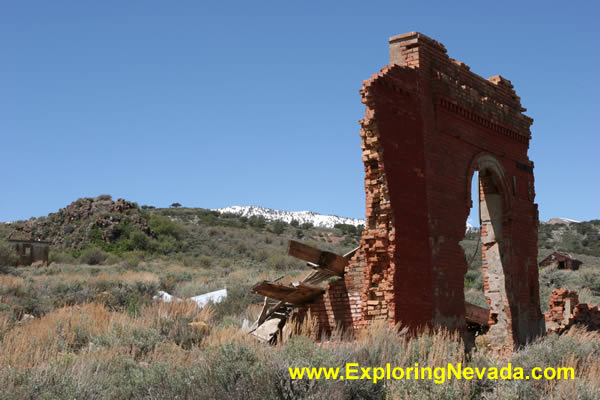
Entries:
{"x":158,"y":312}
{"x":587,"y":367}
{"x":85,"y":342}
{"x":131,"y":347}
{"x":130,"y":277}
{"x":5,"y":324}
{"x":74,"y":329}
{"x":9,"y":283}
{"x":38,"y":341}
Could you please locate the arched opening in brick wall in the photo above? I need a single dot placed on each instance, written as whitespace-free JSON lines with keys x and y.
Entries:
{"x":493,"y":208}
{"x":471,"y":245}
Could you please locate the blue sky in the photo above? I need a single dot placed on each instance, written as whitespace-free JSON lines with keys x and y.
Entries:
{"x":212,"y":104}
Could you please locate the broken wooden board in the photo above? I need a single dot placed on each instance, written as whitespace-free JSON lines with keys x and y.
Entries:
{"x":267,"y":331}
{"x":476,"y":314}
{"x":351,"y":253}
{"x":301,"y":293}
{"x":324,"y":259}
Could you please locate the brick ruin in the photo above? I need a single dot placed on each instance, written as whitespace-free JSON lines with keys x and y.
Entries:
{"x":429,"y":124}
{"x":565,"y":310}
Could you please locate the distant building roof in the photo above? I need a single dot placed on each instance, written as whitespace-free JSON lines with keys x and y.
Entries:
{"x":560,"y":256}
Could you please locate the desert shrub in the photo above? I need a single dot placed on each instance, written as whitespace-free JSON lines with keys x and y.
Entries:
{"x":162,"y":225}
{"x":112,"y":260}
{"x":239,"y":297}
{"x":130,"y":297}
{"x":132,"y":259}
{"x":5,"y":323}
{"x":205,"y":261}
{"x":93,"y":256}
{"x":262,"y":255}
{"x":166,"y":245}
{"x":280,"y":262}
{"x":258,"y":222}
{"x":348,"y":241}
{"x":586,"y":296}
{"x":591,"y":279}
{"x":236,"y":371}
{"x":475,"y":296}
{"x":278,"y":227}
{"x":138,"y":240}
{"x":577,"y":349}
{"x":141,"y":340}
{"x":183,"y":323}
{"x":8,"y":255}
{"x":61,"y":257}
{"x":346,"y":229}
{"x":10,"y":284}
{"x":474,"y":278}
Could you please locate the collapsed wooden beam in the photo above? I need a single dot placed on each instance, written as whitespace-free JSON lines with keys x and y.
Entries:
{"x":326,"y":260}
{"x":477,"y":315}
{"x":298,"y":294}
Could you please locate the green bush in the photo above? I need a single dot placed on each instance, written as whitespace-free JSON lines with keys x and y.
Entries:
{"x":138,"y":240}
{"x":257,"y":221}
{"x":8,"y":256}
{"x":132,"y":259}
{"x":93,"y":256}
{"x":163,"y":226}
{"x":278,"y":227}
{"x":112,"y":260}
{"x":347,"y":229}
{"x":239,"y":297}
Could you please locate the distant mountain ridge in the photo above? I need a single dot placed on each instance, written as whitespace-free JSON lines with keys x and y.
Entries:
{"x":328,"y":221}
{"x":318,"y":220}
{"x":566,"y":221}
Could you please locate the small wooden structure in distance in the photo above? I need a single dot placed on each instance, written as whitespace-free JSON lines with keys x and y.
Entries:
{"x":562,"y":261}
{"x":30,"y":252}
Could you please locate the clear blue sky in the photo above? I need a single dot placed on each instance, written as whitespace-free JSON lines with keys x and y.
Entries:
{"x":212,"y":104}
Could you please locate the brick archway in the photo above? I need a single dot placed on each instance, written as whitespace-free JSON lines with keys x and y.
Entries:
{"x":429,"y":123}
{"x":494,"y":205}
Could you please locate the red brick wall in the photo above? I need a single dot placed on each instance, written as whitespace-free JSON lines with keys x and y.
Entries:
{"x":429,"y":124}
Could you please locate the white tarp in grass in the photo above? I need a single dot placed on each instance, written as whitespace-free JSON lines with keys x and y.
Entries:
{"x":201,"y":300}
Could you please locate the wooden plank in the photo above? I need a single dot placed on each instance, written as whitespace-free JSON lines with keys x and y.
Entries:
{"x":350,"y":254}
{"x":299,"y":294}
{"x":476,"y":314}
{"x":265,"y":314}
{"x":324,"y":259}
{"x":304,"y":293}
{"x":326,"y":271}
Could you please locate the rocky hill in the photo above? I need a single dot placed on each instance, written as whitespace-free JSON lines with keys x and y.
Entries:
{"x":84,"y":221}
